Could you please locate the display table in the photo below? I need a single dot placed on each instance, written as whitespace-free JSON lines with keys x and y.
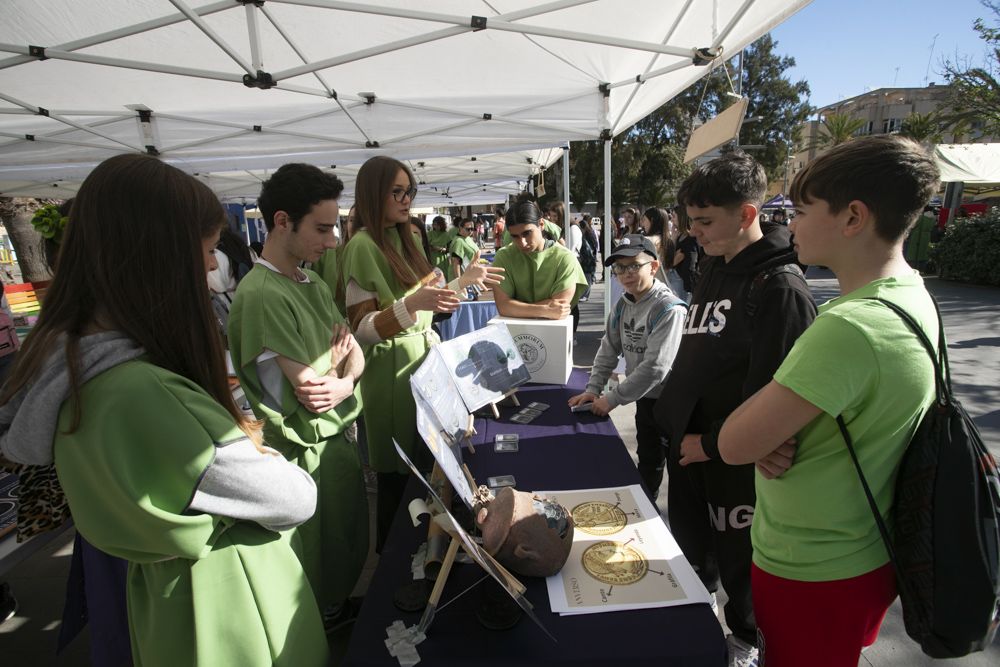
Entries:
{"x":559,"y":450}
{"x":470,"y":316}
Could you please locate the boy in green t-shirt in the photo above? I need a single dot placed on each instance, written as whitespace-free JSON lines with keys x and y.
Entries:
{"x":298,"y":364}
{"x":543,"y":279}
{"x":820,"y":569}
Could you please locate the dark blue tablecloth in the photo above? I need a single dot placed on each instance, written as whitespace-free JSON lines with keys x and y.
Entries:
{"x":559,"y":450}
{"x":470,"y":316}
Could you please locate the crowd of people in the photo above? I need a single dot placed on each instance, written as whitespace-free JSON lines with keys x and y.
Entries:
{"x":241,"y":536}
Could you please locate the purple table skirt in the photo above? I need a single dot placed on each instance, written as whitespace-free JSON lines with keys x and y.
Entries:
{"x":559,"y":450}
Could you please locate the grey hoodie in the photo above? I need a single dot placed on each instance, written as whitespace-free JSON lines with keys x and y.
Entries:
{"x":241,"y":482}
{"x":647,"y":333}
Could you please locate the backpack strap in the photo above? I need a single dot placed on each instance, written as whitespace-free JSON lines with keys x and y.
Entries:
{"x":752,"y":301}
{"x":942,"y":381}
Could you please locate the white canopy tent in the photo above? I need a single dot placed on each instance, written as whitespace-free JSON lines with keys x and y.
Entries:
{"x":232,"y":85}
{"x":968,"y":163}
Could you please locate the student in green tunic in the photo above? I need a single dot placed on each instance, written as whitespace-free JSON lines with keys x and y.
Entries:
{"x":462,"y":251}
{"x":439,"y":240}
{"x":390,"y":301}
{"x":298,"y":364}
{"x":328,"y":265}
{"x":543,"y":280}
{"x":123,"y":385}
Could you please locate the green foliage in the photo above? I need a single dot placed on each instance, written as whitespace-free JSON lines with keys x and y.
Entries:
{"x":974,"y":94}
{"x":647,"y":159}
{"x":836,"y":129}
{"x":970,"y":250}
{"x":50,"y":223}
{"x":923,"y":127}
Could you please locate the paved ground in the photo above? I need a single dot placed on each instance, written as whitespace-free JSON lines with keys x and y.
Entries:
{"x":972,"y":319}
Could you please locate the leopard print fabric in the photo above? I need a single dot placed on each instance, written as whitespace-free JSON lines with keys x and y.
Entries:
{"x":42,"y":504}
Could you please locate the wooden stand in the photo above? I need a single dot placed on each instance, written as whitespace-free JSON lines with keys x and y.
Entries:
{"x":512,"y":395}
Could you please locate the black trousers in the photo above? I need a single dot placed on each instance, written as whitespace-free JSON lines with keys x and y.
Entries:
{"x":710,"y":508}
{"x":649,"y":448}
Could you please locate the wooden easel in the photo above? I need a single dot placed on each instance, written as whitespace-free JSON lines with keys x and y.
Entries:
{"x":449,"y":560}
{"x":512,"y":395}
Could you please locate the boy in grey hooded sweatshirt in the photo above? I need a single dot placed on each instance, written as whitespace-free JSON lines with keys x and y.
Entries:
{"x":645,"y":327}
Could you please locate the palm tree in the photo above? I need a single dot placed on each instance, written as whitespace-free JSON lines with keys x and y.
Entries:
{"x":837,"y":128}
{"x":924,"y":128}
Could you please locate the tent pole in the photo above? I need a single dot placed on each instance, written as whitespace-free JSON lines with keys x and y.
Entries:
{"x":565,"y":175}
{"x":606,"y":224}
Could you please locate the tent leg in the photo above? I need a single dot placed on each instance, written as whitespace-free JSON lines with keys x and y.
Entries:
{"x":606,"y":225}
{"x":565,"y":167}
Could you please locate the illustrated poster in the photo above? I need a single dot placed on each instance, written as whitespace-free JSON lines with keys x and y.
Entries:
{"x":623,"y":557}
{"x":484,"y":364}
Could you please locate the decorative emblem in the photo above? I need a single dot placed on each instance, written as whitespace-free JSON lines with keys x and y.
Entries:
{"x":614,"y":563}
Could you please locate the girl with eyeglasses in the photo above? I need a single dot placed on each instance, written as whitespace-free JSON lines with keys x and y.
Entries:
{"x":392,"y":293}
{"x":122,"y":384}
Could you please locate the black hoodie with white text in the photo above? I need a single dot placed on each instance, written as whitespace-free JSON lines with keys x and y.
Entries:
{"x":726,"y":355}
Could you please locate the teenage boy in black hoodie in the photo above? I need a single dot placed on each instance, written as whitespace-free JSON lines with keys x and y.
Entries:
{"x":748,"y":307}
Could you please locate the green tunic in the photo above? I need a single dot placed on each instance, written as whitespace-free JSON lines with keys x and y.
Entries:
{"x":442,"y":260}
{"x":328,"y":268}
{"x":534,"y":277}
{"x":385,"y":385}
{"x":201,"y":589}
{"x":465,"y":248}
{"x":551,"y":230}
{"x":295,"y":320}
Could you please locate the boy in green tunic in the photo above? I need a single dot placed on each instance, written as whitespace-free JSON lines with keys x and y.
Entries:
{"x":439,"y":239}
{"x":543,"y":279}
{"x":462,"y":251}
{"x":298,"y":364}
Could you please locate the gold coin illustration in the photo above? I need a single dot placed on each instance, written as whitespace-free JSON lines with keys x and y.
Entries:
{"x":614,"y":563}
{"x":597,"y":517}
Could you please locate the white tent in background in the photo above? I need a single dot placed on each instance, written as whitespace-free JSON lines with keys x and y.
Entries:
{"x":968,"y":163}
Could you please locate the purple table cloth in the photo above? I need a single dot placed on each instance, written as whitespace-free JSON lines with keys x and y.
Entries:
{"x":559,"y":450}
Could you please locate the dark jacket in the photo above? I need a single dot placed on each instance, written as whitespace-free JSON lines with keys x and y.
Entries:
{"x":726,"y":354}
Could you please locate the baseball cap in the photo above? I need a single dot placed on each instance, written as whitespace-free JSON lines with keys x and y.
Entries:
{"x":630,"y":246}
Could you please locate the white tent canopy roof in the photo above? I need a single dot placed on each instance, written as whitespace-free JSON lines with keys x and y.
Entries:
{"x":224,"y":86}
{"x":968,"y":163}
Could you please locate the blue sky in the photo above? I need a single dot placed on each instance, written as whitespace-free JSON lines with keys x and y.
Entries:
{"x":845,"y":47}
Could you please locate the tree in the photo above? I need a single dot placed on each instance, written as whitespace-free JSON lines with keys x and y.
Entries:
{"x":922,"y":127}
{"x":16,"y":214}
{"x":836,"y":129}
{"x":777,"y":107}
{"x":974,"y":95}
{"x":647,"y":165}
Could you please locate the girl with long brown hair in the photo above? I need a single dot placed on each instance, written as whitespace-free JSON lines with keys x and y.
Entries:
{"x":392,"y":294}
{"x":123,"y":386}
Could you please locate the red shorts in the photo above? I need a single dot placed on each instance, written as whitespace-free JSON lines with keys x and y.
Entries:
{"x":819,"y":623}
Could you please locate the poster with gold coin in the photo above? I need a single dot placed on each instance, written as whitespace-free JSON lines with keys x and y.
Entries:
{"x":623,"y":557}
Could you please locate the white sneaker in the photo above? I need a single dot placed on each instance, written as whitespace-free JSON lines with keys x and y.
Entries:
{"x":741,"y":654}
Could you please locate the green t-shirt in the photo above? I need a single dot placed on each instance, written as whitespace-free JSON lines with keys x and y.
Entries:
{"x":860,"y":360}
{"x":201,"y":589}
{"x":385,"y":385}
{"x":463,"y":247}
{"x":551,"y":230}
{"x":534,"y":277}
{"x":273,"y":313}
{"x":440,"y":240}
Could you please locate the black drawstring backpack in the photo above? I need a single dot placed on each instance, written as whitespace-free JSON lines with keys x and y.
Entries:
{"x":946,"y":510}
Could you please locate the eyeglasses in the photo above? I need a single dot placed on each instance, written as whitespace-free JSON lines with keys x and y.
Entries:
{"x":619,"y":269}
{"x":468,"y":229}
{"x":399,"y":193}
